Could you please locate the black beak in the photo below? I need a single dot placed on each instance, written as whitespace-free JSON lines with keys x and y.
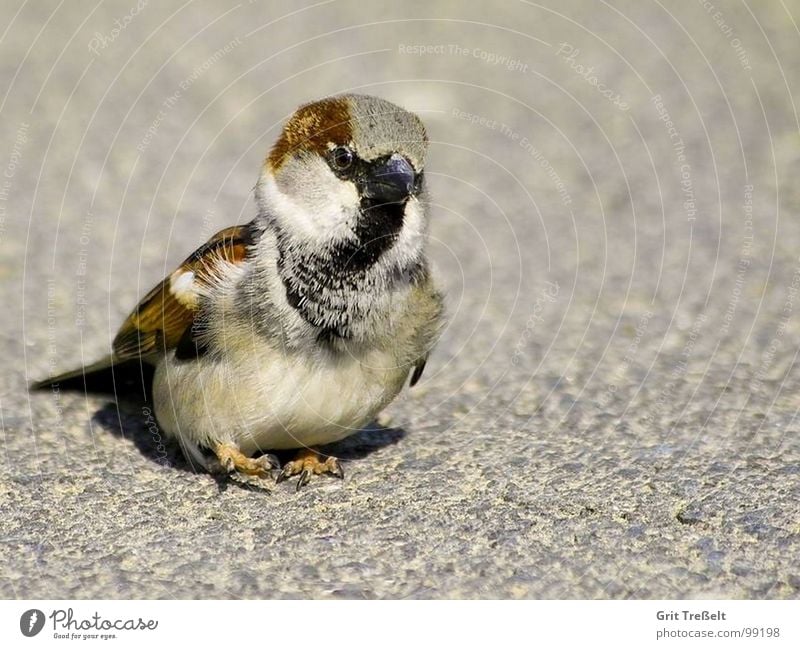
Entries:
{"x":391,"y":180}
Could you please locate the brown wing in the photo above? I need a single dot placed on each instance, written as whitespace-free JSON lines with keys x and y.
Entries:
{"x":167,"y":311}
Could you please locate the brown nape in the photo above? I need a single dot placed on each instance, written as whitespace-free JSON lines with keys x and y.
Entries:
{"x":311,"y":128}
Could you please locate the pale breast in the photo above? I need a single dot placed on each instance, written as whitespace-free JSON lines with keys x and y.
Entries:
{"x":261,"y":399}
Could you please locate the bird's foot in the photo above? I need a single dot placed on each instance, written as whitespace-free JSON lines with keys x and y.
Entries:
{"x":308,"y":462}
{"x":231,"y":460}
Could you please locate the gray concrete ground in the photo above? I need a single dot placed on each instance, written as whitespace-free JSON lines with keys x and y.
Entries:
{"x":612,"y":411}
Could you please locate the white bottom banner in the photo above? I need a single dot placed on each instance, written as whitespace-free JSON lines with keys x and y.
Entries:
{"x":369,"y":623}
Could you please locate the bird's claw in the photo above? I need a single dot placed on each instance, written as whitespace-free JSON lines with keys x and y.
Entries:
{"x":308,"y":463}
{"x":232,"y":460}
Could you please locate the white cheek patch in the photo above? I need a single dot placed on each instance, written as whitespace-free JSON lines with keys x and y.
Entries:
{"x":410,"y":243}
{"x":312,"y":205}
{"x":311,"y":202}
{"x":182,"y":285}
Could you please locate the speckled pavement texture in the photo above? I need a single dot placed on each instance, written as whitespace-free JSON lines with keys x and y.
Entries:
{"x":612,"y":410}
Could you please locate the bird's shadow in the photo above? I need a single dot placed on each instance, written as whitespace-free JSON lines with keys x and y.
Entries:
{"x":134,"y":420}
{"x":365,"y":442}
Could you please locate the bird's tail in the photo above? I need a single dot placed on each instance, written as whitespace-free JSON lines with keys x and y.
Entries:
{"x":106,"y":376}
{"x":68,"y":378}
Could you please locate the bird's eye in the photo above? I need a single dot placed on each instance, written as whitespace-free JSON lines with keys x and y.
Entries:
{"x":342,"y":158}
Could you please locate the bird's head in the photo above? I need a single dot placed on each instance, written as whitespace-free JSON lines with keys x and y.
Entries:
{"x":346,"y":173}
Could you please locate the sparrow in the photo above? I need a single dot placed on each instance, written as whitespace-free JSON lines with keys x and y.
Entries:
{"x":296,"y":329}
